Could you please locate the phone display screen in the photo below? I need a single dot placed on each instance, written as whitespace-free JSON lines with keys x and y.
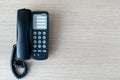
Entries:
{"x":40,"y":21}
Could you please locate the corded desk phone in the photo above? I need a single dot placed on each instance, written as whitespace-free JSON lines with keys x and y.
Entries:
{"x":32,"y":39}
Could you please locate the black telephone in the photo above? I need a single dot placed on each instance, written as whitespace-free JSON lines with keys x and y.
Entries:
{"x":32,"y":38}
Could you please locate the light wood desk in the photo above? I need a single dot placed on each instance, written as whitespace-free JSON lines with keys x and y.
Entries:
{"x":84,"y":39}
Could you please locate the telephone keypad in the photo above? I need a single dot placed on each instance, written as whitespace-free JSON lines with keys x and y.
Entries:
{"x":39,"y":43}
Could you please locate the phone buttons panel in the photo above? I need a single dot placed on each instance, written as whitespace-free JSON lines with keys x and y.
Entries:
{"x":39,"y":45}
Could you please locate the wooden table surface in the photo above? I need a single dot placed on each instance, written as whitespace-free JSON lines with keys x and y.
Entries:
{"x":84,"y":39}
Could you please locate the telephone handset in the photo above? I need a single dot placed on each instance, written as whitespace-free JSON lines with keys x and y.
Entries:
{"x":23,"y":33}
{"x":32,"y":39}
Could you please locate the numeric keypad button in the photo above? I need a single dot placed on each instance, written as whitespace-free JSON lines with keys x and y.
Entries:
{"x":39,"y":37}
{"x":44,"y":33}
{"x":34,"y":46}
{"x":39,"y":33}
{"x":44,"y":37}
{"x":34,"y":33}
{"x":43,"y":41}
{"x":39,"y":46}
{"x":34,"y":37}
{"x":39,"y":41}
{"x":34,"y":41}
{"x":44,"y":46}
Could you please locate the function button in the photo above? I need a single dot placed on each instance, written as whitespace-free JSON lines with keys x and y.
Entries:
{"x":44,"y":46}
{"x":34,"y":37}
{"x":44,"y":50}
{"x":39,"y":46}
{"x":44,"y":33}
{"x":34,"y":50}
{"x":38,"y":54}
{"x":39,"y":33}
{"x":34,"y":41}
{"x":44,"y":41}
{"x":39,"y":50}
{"x":34,"y":54}
{"x":44,"y":37}
{"x":35,"y":46}
{"x":39,"y":37}
{"x":34,"y":33}
{"x":39,"y":41}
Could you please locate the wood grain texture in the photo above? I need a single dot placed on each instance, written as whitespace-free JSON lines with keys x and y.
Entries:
{"x":84,"y":39}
